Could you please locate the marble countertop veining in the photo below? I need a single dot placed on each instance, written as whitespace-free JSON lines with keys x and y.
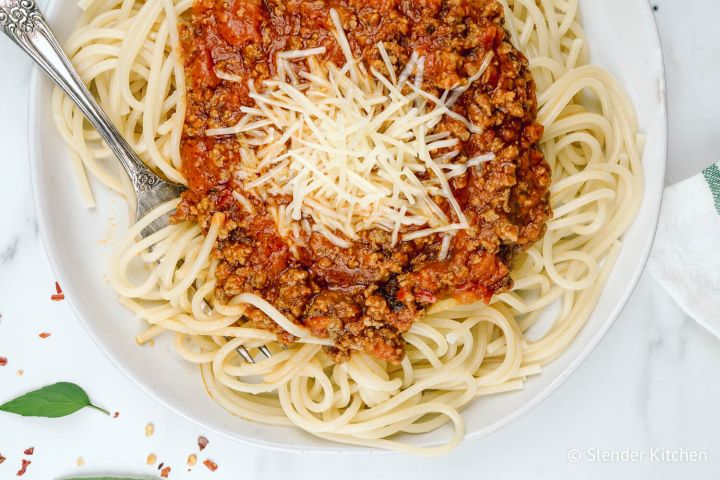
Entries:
{"x":651,"y":387}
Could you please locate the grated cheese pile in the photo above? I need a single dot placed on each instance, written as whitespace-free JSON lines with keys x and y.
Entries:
{"x":349,"y":147}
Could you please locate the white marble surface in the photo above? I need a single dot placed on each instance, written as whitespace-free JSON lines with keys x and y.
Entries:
{"x":652,"y":383}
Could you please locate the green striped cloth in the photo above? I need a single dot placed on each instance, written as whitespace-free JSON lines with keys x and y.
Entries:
{"x":712,"y":177}
{"x":688,"y":235}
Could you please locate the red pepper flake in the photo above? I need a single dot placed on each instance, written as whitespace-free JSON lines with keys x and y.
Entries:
{"x":29,"y":451}
{"x":212,"y":466}
{"x":3,"y":361}
{"x":165,"y":472}
{"x":116,"y":414}
{"x":202,"y":442}
{"x":2,"y":459}
{"x":59,"y":295}
{"x":44,"y":334}
{"x":23,"y":468}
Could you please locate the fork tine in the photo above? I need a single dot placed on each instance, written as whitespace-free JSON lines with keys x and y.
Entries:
{"x":245,"y":354}
{"x":242,"y":351}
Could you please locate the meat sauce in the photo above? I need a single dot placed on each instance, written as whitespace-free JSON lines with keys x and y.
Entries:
{"x":366,"y":296}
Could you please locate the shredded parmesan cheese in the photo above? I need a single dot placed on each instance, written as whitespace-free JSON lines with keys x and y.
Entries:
{"x":355,"y":153}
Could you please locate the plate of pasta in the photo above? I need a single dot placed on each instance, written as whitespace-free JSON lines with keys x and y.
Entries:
{"x":404,"y":224}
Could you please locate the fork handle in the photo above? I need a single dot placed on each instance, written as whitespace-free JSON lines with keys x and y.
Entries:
{"x":22,"y":21}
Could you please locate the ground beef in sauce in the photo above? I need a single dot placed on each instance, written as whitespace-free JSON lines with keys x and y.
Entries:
{"x":365,"y":297}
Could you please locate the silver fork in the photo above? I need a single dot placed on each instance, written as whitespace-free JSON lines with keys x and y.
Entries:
{"x":23,"y":23}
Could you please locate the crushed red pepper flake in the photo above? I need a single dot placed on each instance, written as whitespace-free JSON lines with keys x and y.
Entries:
{"x":165,"y":472}
{"x":212,"y":466}
{"x":116,"y":414}
{"x":44,"y":334}
{"x":3,"y":361}
{"x":23,"y":467}
{"x":2,"y":459}
{"x":29,"y":451}
{"x":202,"y":442}
{"x":59,"y":295}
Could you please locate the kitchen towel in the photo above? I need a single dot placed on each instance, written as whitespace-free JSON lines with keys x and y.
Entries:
{"x":686,"y":255}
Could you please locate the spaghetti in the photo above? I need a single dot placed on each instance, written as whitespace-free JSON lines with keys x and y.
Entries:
{"x":127,"y":52}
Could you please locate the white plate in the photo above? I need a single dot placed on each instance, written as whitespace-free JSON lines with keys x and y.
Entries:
{"x":622,"y":37}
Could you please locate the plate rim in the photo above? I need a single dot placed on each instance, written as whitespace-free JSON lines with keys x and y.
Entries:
{"x":336,"y":449}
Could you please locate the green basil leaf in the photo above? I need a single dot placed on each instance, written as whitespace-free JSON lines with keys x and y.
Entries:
{"x":57,"y":400}
{"x":101,"y":478}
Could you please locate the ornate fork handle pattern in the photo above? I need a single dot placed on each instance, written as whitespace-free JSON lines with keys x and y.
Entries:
{"x":19,"y":16}
{"x":22,"y":21}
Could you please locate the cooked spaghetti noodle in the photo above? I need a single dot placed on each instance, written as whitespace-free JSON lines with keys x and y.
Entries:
{"x":127,"y":52}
